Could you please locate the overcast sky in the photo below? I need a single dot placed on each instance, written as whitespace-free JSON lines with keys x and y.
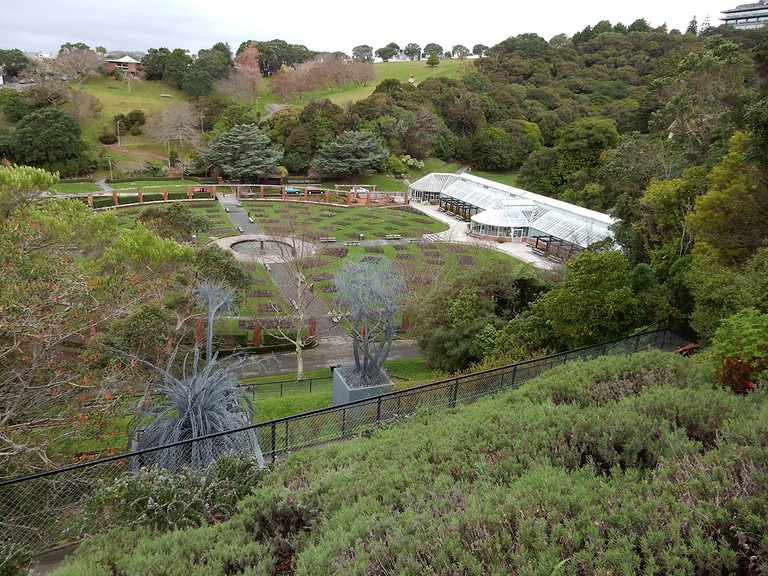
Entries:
{"x":329,"y":25}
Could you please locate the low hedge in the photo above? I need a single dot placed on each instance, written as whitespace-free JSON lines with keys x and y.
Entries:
{"x":152,"y":179}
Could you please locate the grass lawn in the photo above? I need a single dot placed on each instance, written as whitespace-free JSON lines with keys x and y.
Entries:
{"x":153,"y":184}
{"x":396,"y":70}
{"x":507,"y":178}
{"x":76,"y":187}
{"x":297,"y":398}
{"x":116,"y":98}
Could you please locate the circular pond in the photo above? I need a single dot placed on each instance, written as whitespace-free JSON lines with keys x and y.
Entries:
{"x":263,"y":248}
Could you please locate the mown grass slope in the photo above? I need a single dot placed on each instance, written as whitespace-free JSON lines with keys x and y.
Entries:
{"x":622,"y":465}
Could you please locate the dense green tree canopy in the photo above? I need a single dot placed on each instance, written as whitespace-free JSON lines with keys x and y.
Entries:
{"x":413,"y":51}
{"x":351,"y":154}
{"x":49,"y":137}
{"x":243,"y":153}
{"x":13,"y":61}
{"x":388,"y":52}
{"x":364,"y":53}
{"x":175,"y":220}
{"x":594,"y":302}
{"x":22,"y":185}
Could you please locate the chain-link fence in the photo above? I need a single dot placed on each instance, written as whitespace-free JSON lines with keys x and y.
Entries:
{"x":41,"y":511}
{"x":283,"y":388}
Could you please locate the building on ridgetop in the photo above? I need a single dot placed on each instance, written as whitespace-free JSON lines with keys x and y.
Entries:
{"x":747,"y":16}
{"x":127,"y":64}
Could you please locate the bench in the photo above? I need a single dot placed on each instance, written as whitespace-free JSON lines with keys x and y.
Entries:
{"x":393,"y":236}
{"x":327,"y":239}
{"x":413,"y":240}
{"x":538,"y":251}
{"x":352,"y":242}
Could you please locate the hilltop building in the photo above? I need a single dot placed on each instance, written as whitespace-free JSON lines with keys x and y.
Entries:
{"x":127,"y":64}
{"x":747,"y":16}
{"x":503,"y":213}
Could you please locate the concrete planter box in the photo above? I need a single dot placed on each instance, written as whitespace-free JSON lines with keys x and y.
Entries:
{"x":342,"y":394}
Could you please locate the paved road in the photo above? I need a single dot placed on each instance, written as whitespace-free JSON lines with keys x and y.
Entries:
{"x":329,"y":352}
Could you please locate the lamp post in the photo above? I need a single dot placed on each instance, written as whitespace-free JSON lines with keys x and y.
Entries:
{"x":118,"y":132}
{"x":110,"y":167}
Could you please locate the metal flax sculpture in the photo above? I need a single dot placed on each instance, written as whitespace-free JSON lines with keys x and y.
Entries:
{"x":206,"y":399}
{"x":368,"y":293}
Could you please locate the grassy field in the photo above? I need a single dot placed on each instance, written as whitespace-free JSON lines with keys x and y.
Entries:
{"x":297,"y":398}
{"x":508,"y":178}
{"x":395,"y":70}
{"x":76,"y":187}
{"x":116,"y":98}
{"x":135,"y":184}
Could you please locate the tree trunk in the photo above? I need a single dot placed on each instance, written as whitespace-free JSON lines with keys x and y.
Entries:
{"x":299,"y":361}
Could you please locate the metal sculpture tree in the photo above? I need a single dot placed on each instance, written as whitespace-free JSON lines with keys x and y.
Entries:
{"x":369,"y":291}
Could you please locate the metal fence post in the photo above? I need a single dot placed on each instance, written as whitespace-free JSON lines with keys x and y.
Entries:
{"x":274,"y":441}
{"x":663,"y":338}
{"x":281,"y":389}
{"x":514,"y":376}
{"x":378,"y":409}
{"x":454,"y":394}
{"x":343,"y":421}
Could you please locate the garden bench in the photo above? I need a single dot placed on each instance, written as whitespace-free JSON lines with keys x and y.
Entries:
{"x":327,"y":239}
{"x":393,"y":236}
{"x":352,"y":242}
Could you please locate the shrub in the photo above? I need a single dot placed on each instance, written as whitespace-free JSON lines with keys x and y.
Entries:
{"x":14,"y":559}
{"x":107,"y":136}
{"x":611,"y":378}
{"x":740,"y":350}
{"x":157,"y":499}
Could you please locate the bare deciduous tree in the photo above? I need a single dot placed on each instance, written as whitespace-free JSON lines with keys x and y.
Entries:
{"x":79,"y":64}
{"x":361,"y":73}
{"x":179,"y":123}
{"x":245,"y":80}
{"x":82,"y":105}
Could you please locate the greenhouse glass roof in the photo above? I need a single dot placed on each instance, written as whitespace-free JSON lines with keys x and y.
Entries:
{"x":550,"y":217}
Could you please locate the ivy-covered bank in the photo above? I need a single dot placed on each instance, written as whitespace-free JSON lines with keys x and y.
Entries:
{"x":635,"y":464}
